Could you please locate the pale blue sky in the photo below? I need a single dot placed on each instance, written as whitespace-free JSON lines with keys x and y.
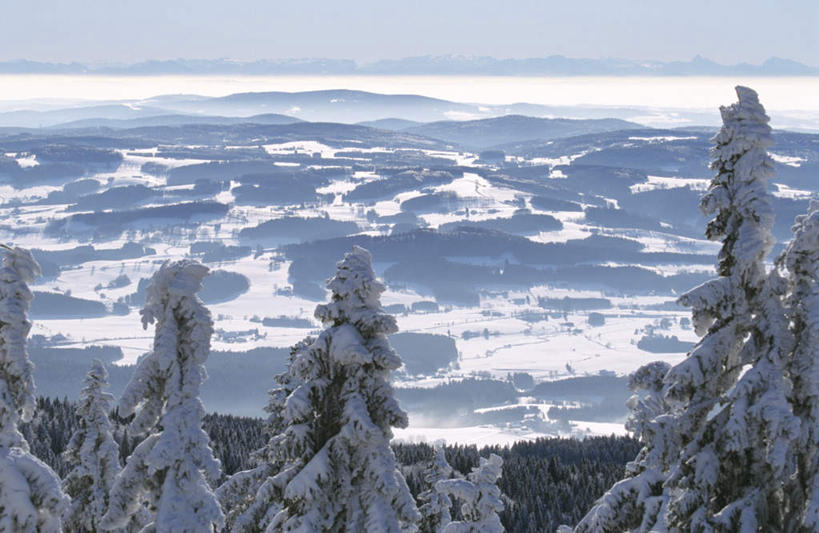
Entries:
{"x":726,"y":31}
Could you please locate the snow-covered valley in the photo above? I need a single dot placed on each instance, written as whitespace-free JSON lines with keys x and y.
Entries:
{"x":510,"y":269}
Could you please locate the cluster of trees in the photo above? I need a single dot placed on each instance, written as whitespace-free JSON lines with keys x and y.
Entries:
{"x":545,"y":483}
{"x":327,"y":464}
{"x":730,"y":433}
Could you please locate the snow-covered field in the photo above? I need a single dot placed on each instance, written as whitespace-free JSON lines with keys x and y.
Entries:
{"x":542,"y":349}
{"x":505,"y":330}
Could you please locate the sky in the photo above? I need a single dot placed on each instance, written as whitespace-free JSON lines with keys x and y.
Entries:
{"x":128,"y":31}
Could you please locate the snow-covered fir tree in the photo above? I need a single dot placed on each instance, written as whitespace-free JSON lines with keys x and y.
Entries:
{"x":735,"y":431}
{"x":638,"y":502}
{"x":170,"y":469}
{"x":481,"y":498}
{"x":435,"y":505}
{"x":93,"y":455}
{"x":801,"y":259}
{"x":647,"y":402}
{"x":251,"y":498}
{"x":31,"y":498}
{"x":340,"y":473}
{"x":727,"y":403}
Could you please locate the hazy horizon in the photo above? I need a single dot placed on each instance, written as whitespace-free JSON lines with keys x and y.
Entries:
{"x":364,"y":62}
{"x":683,"y":92}
{"x":365,"y":30}
{"x":651,"y":101}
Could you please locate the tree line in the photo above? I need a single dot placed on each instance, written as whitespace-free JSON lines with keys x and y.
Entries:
{"x":545,"y":482}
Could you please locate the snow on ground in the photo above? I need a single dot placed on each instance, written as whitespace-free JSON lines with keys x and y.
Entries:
{"x":662,"y":138}
{"x":541,"y":348}
{"x":572,"y":228}
{"x":472,"y":185}
{"x":597,"y":428}
{"x":664,"y":182}
{"x":545,"y":347}
{"x":28,"y":161}
{"x":233,"y":316}
{"x":340,"y":187}
{"x":657,"y":241}
{"x":791,"y":161}
{"x":461,"y":158}
{"x":405,"y":297}
{"x":477,"y":435}
{"x":301,"y":147}
{"x":8,"y":192}
{"x":493,"y":339}
{"x":783,"y":191}
{"x":557,"y":161}
{"x":487,"y":435}
{"x":262,"y":300}
{"x":151,"y":155}
{"x":123,"y":331}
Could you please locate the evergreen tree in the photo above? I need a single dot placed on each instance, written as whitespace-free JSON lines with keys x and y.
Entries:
{"x":251,"y":498}
{"x":93,"y":455}
{"x":638,"y":502}
{"x":481,"y":498}
{"x":572,"y":472}
{"x":168,"y":470}
{"x":801,"y":259}
{"x":735,"y":431}
{"x":435,"y":505}
{"x":31,"y":499}
{"x":340,"y":473}
{"x":727,"y":403}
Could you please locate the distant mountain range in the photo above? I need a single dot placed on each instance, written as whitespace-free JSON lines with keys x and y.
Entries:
{"x":425,"y":65}
{"x":150,"y":120}
{"x":469,"y":125}
{"x":486,"y":133}
{"x":471,"y":134}
{"x":384,"y":111}
{"x":459,"y":123}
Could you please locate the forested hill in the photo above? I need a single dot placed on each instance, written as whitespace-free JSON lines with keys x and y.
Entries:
{"x":546,"y":482}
